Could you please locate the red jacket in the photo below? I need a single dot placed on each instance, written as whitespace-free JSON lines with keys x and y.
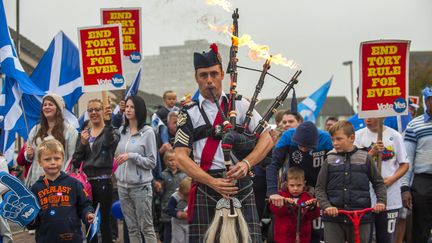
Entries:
{"x":22,"y":161}
{"x":285,"y":220}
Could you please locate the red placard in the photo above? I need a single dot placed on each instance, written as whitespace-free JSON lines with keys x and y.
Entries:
{"x":130,"y":20}
{"x":383,"y":78}
{"x":101,"y":58}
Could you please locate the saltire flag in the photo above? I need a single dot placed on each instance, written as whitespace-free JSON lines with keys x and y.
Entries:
{"x":16,"y":83}
{"x":132,"y":90}
{"x":94,"y":227}
{"x":57,"y":72}
{"x":310,"y":107}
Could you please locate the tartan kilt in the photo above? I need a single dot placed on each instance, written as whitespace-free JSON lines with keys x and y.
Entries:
{"x":204,"y":211}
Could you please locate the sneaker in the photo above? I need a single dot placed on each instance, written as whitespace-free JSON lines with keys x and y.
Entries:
{"x":32,"y":232}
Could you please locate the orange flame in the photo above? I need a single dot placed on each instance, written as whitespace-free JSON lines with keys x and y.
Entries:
{"x":223,"y":3}
{"x":258,"y":52}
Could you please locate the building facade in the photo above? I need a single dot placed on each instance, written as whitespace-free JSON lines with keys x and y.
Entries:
{"x":173,"y":68}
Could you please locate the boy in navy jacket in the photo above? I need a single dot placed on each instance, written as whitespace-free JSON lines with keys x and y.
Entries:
{"x":62,"y":199}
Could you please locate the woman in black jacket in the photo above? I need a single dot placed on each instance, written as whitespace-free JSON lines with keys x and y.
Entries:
{"x":95,"y":149}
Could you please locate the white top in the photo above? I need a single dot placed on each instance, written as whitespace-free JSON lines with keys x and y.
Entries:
{"x":393,"y":155}
{"x":211,"y":111}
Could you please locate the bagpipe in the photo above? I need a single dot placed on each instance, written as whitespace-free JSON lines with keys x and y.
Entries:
{"x":229,"y":224}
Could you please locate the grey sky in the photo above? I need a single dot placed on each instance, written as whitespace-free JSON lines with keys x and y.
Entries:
{"x":318,"y":35}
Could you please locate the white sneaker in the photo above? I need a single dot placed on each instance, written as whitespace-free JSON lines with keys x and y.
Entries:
{"x":32,"y":232}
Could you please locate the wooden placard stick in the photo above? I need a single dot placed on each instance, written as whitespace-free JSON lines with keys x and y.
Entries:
{"x":380,"y":138}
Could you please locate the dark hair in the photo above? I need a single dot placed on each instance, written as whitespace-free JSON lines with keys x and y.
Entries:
{"x":331,"y":118}
{"x":140,"y":112}
{"x":296,"y":115}
{"x":57,"y":130}
{"x":345,"y":126}
{"x":278,"y":116}
{"x":167,"y":92}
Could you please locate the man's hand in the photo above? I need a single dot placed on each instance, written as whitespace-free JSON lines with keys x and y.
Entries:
{"x":181,"y":215}
{"x":277,"y":200}
{"x":90,"y":217}
{"x":407,"y":199}
{"x":331,"y":211}
{"x":378,"y":147}
{"x":224,"y":186}
{"x":379,"y":207}
{"x":165,"y":147}
{"x":84,"y":137}
{"x":238,"y":171}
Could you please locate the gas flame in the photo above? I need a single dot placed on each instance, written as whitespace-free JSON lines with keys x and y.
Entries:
{"x":256,"y":51}
{"x":223,"y":3}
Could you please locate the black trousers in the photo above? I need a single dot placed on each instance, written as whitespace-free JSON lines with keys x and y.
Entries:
{"x":102,"y":190}
{"x":422,"y":207}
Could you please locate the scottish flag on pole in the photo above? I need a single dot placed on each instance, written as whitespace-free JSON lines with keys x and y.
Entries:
{"x":94,"y":227}
{"x":132,"y":90}
{"x":57,"y":72}
{"x":16,"y":83}
{"x":310,"y":107}
{"x":9,"y":62}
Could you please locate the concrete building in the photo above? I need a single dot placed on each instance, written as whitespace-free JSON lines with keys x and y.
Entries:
{"x":173,"y":68}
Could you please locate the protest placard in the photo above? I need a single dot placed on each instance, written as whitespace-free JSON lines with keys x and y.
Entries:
{"x":130,"y":20}
{"x":101,"y":58}
{"x":383,"y":78}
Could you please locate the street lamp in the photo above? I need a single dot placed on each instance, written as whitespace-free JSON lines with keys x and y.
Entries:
{"x":349,"y":63}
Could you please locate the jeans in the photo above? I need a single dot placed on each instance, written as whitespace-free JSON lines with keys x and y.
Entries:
{"x":136,"y":205}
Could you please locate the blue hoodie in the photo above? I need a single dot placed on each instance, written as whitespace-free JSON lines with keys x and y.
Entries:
{"x":63,"y":204}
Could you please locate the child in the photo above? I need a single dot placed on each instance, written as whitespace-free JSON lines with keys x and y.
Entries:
{"x":285,"y":220}
{"x":160,"y":120}
{"x":177,"y":209}
{"x":343,"y":183}
{"x":394,"y":165}
{"x":62,"y":199}
{"x":171,"y":178}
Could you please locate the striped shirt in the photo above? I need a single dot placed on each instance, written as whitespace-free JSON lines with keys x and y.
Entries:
{"x":418,"y":143}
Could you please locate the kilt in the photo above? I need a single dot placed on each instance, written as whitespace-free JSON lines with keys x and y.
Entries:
{"x":205,"y":206}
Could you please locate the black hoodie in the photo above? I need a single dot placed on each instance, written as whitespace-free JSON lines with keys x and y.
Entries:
{"x":63,"y":203}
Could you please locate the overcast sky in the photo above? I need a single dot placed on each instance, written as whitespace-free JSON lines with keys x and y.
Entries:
{"x":318,"y":35}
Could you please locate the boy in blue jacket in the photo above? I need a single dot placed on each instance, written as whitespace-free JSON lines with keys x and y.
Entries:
{"x":62,"y":199}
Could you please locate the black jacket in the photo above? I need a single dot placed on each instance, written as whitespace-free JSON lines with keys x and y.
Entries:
{"x":63,"y":203}
{"x":98,"y":160}
{"x":343,"y":182}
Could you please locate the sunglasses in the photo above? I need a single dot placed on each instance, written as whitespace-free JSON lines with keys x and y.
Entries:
{"x":90,"y":110}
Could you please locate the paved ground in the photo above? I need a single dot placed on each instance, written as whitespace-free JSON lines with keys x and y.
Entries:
{"x":21,"y":235}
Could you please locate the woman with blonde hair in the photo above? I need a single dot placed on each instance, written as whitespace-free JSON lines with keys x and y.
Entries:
{"x":52,"y":124}
{"x":95,"y":151}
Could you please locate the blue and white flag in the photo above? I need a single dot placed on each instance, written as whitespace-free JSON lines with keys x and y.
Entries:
{"x":132,"y":90}
{"x":310,"y":107}
{"x":94,"y":227}
{"x":9,"y":62}
{"x":57,"y":72}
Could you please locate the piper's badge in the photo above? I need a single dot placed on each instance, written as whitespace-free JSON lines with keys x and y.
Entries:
{"x":181,"y":119}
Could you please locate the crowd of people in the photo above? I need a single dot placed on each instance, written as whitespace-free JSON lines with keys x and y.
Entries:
{"x":170,"y":173}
